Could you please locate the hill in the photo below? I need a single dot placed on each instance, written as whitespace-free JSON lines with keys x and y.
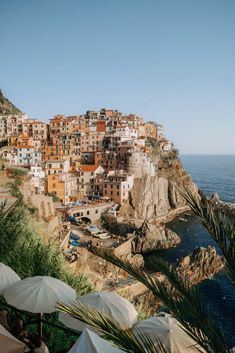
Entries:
{"x":6,"y":107}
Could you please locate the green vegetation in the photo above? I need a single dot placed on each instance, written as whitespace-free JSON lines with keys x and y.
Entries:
{"x":54,"y":197}
{"x":151,"y":141}
{"x":182,"y":300}
{"x":19,"y":172}
{"x":23,"y":250}
{"x":26,"y":253}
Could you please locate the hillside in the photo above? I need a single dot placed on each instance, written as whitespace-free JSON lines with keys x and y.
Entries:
{"x":6,"y":107}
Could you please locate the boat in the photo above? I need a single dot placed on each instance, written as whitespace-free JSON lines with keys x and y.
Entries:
{"x":183,"y":219}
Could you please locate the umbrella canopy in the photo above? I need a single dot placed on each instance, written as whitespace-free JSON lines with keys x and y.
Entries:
{"x":116,"y":307}
{"x":7,"y":277}
{"x":167,"y":330}
{"x":39,"y":294}
{"x":8,"y":343}
{"x":90,"y":342}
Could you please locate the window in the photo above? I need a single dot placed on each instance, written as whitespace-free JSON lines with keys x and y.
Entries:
{"x":111,"y":186}
{"x":117,"y":193}
{"x":53,"y":185}
{"x":96,"y":211}
{"x":111,"y":193}
{"x":118,"y":186}
{"x":88,"y":212}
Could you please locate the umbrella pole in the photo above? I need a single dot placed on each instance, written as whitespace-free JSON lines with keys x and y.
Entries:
{"x":40,"y":324}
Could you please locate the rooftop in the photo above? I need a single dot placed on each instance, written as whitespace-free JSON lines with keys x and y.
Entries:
{"x":88,"y":168}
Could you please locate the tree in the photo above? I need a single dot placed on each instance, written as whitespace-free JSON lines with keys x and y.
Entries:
{"x":183,"y":301}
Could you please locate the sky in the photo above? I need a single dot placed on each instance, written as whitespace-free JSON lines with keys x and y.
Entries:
{"x":171,"y":61}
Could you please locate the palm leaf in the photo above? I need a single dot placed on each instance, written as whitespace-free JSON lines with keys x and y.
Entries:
{"x":220,"y":223}
{"x":182,"y":300}
{"x":114,"y":331}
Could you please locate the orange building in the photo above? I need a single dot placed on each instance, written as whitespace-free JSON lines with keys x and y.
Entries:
{"x":100,"y":126}
{"x":117,"y":186}
{"x":62,"y":185}
{"x":151,"y":129}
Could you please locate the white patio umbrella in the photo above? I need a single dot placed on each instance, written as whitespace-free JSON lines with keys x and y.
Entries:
{"x":39,"y":294}
{"x":7,"y":277}
{"x":90,"y":342}
{"x":167,"y":330}
{"x":111,"y":304}
{"x":8,"y":343}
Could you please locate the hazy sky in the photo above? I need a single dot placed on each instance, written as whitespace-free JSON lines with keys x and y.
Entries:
{"x":172,"y":61}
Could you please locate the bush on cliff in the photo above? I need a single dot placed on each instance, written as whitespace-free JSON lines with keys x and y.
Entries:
{"x":23,"y":250}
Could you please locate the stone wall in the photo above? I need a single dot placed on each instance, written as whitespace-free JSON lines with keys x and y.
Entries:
{"x":93,"y":212}
{"x":44,"y":204}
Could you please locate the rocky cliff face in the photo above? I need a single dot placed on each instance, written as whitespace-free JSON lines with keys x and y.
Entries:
{"x":200,"y":265}
{"x":153,"y":237}
{"x":6,"y":107}
{"x":155,"y":196}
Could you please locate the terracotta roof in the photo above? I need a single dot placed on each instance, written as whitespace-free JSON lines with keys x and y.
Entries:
{"x":88,"y":168}
{"x":25,"y":146}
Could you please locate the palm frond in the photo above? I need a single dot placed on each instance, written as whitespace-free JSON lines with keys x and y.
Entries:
{"x":182,"y":300}
{"x":117,"y":333}
{"x":220,"y":223}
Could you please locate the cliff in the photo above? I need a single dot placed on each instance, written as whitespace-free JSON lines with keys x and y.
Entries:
{"x":151,"y":237}
{"x":155,"y":196}
{"x":6,"y":107}
{"x":200,"y":265}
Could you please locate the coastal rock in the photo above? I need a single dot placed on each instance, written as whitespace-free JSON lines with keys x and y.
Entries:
{"x":151,"y":237}
{"x":124,"y":252}
{"x":154,"y":196}
{"x":200,"y":265}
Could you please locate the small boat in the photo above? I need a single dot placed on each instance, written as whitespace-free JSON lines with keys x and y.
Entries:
{"x":183,"y":219}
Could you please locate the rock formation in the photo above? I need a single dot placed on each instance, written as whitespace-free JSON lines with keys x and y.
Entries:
{"x":200,"y":265}
{"x":151,"y":237}
{"x":155,"y":196}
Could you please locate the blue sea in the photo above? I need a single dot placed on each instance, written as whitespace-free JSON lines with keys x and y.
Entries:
{"x":212,"y":174}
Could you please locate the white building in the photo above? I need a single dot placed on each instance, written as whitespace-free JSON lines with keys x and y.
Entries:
{"x":11,"y":124}
{"x":87,"y":177}
{"x":167,"y":146}
{"x":28,"y":155}
{"x":57,"y":166}
{"x":38,"y":175}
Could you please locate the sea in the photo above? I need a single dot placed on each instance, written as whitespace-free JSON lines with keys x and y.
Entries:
{"x":212,"y":173}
